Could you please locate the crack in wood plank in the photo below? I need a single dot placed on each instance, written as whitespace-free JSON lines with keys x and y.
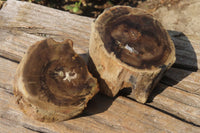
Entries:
{"x":36,"y":129}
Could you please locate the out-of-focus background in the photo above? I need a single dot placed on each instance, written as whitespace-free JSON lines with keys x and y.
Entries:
{"x":92,"y":8}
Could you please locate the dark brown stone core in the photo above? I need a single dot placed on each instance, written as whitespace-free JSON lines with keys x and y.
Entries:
{"x":137,"y":40}
{"x":56,"y":74}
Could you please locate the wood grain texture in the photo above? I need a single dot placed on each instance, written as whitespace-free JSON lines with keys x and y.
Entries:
{"x":187,"y":81}
{"x":179,"y":103}
{"x":107,"y":114}
{"x":22,"y":24}
{"x":183,"y":16}
{"x":122,"y":116}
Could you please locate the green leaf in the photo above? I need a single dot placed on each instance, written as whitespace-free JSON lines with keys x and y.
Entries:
{"x":75,"y":9}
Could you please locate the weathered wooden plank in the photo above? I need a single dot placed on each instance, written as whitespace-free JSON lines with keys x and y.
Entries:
{"x":183,"y":16}
{"x":122,"y":116}
{"x":105,"y":114}
{"x":22,"y":24}
{"x":179,"y":76}
{"x":20,"y":27}
{"x":9,"y":128}
{"x":182,"y":79}
{"x":16,"y":37}
{"x":179,"y":103}
{"x":7,"y":71}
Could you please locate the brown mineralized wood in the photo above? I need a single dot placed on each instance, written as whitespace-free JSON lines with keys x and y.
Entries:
{"x":24,"y":23}
{"x":130,"y":49}
{"x":52,"y":82}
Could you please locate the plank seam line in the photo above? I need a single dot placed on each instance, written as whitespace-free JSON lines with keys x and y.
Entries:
{"x":7,"y":58}
{"x":172,"y":115}
{"x":167,"y":113}
{"x":6,"y":90}
{"x":179,"y":88}
{"x":32,"y":128}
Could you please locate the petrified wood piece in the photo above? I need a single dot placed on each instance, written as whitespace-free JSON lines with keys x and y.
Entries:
{"x":130,"y":49}
{"x":52,"y":82}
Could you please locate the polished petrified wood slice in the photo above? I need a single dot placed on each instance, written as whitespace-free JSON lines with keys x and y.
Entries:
{"x":130,"y":49}
{"x":52,"y":82}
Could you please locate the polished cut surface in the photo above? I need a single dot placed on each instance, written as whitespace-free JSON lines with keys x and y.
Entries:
{"x":137,"y":40}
